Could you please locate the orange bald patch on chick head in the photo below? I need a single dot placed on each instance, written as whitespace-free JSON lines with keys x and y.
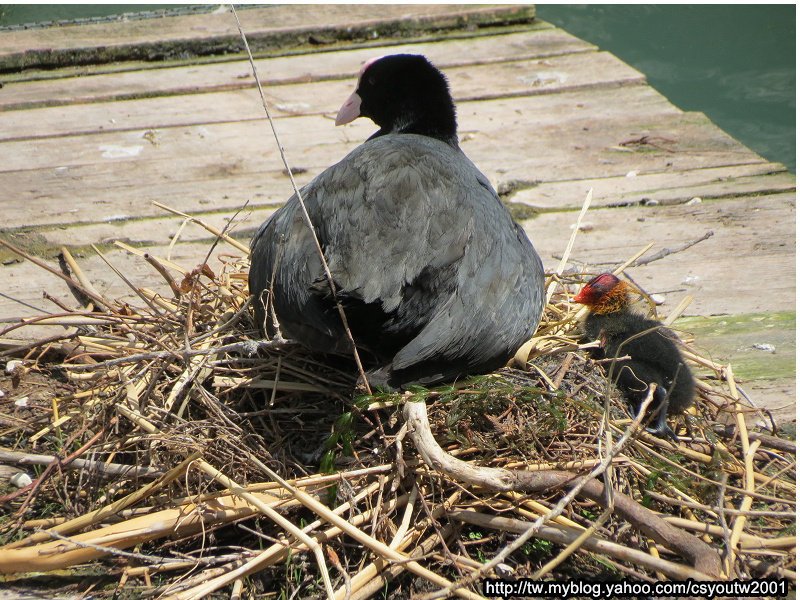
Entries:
{"x":604,"y":294}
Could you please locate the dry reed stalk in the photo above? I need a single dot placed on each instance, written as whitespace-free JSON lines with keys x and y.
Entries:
{"x":500,"y":479}
{"x":747,"y":540}
{"x":186,"y":520}
{"x":253,"y":499}
{"x":212,"y":230}
{"x":385,"y":571}
{"x":139,"y":362}
{"x":274,"y":554}
{"x":565,"y":536}
{"x":373,"y":544}
{"x":573,"y":546}
{"x":101,"y":514}
{"x":73,"y":264}
{"x":105,"y":469}
{"x":538,"y":509}
{"x":162,"y":261}
{"x":372,"y":576}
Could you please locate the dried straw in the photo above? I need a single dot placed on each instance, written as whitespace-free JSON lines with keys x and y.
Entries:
{"x":235,"y":432}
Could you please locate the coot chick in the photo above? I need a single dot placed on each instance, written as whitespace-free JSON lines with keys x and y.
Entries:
{"x":654,"y":356}
{"x":436,"y":279}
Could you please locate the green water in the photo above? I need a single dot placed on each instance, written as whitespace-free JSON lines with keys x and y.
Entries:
{"x":20,"y":14}
{"x":735,"y":63}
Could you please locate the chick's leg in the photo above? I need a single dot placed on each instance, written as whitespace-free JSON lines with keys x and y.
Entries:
{"x":661,"y":428}
{"x":633,"y":378}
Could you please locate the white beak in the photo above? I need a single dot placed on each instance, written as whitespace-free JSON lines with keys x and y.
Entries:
{"x":350,"y":110}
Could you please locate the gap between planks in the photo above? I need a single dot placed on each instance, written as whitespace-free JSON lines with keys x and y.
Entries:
{"x":536,"y":43}
{"x":520,"y":78}
{"x":214,"y":33}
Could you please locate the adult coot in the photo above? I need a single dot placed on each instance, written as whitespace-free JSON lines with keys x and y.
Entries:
{"x":654,"y":357}
{"x":436,"y":279}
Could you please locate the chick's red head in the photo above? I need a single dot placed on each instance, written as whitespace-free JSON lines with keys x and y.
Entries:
{"x":604,"y":294}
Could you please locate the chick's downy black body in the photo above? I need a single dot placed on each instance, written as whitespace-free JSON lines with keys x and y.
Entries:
{"x":436,"y":279}
{"x":654,"y":355}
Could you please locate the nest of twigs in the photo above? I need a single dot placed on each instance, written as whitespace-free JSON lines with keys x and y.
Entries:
{"x":177,"y":457}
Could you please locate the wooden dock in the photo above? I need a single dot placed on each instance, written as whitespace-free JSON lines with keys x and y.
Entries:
{"x":99,"y":121}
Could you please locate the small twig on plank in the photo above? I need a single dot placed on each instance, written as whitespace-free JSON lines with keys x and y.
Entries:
{"x":648,"y":140}
{"x":38,"y":309}
{"x":176,"y":291}
{"x":667,"y":251}
{"x":70,"y":281}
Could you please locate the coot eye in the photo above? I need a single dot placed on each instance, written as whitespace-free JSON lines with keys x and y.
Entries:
{"x":371,"y":80}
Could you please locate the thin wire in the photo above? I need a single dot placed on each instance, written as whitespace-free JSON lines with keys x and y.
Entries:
{"x":328,"y":275}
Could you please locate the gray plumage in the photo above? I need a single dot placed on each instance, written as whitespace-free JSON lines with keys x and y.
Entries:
{"x":436,"y":279}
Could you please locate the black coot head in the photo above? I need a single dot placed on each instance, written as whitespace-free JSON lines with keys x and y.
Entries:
{"x":403,"y":93}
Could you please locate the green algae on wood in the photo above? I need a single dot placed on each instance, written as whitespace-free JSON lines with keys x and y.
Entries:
{"x":758,"y":345}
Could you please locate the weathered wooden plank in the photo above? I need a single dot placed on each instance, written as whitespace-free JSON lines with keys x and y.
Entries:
{"x":538,"y":42}
{"x":67,"y":179}
{"x":24,"y":282}
{"x":776,"y":395}
{"x":740,"y":269}
{"x":705,"y":271}
{"x":759,"y":345}
{"x":473,"y":82}
{"x":550,"y":110}
{"x":746,"y":266}
{"x":154,"y":231}
{"x":761,"y":349}
{"x":269,"y":28}
{"x":727,"y":182}
{"x":667,"y":187}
